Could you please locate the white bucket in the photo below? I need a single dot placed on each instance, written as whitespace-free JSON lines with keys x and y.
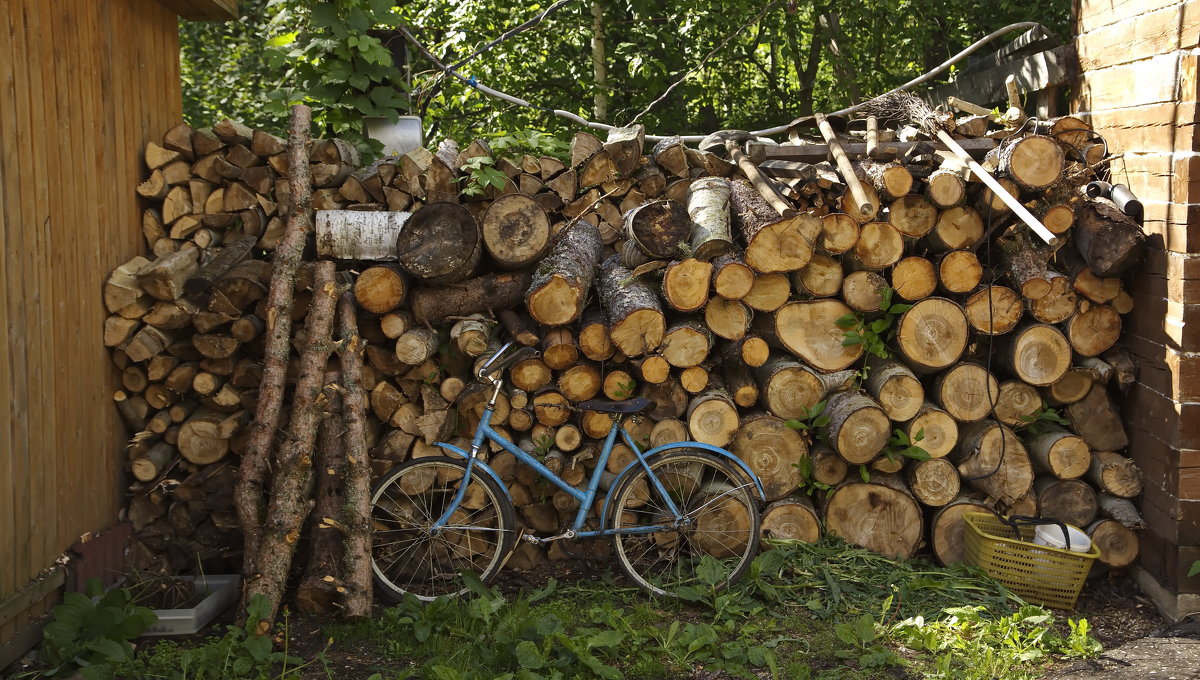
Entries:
{"x":1052,"y":535}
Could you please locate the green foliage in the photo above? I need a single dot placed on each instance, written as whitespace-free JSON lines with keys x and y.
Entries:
{"x":625,"y":390}
{"x":90,"y":632}
{"x":968,"y":644}
{"x":1042,"y":420}
{"x":1195,"y":569}
{"x":331,"y":60}
{"x":239,"y":654}
{"x":481,"y":174}
{"x":529,"y":141}
{"x":811,"y":420}
{"x":777,"y":69}
{"x":900,"y":446}
{"x":875,"y":334}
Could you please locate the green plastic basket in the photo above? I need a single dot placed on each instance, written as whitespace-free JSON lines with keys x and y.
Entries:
{"x":1039,"y":574}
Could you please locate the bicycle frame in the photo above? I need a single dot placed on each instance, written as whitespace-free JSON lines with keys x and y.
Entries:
{"x":586,"y":498}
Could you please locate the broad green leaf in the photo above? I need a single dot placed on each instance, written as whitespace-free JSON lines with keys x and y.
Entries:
{"x":528,"y":655}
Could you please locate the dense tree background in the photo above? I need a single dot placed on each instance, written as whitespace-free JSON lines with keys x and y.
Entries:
{"x":341,"y":56}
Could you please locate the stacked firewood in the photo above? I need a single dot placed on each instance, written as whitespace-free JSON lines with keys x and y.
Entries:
{"x":741,"y":301}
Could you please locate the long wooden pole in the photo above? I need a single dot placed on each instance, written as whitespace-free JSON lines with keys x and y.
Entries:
{"x":843,"y":162}
{"x":1015,"y":205}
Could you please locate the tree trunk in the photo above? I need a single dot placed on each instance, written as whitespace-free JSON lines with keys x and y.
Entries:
{"x":356,"y":488}
{"x":1034,"y":162}
{"x":1018,"y":401}
{"x":932,"y":334}
{"x":1037,"y":354}
{"x":636,"y":324}
{"x":895,"y":387}
{"x":945,"y":189}
{"x":440,"y":243}
{"x":1059,"y":453}
{"x":810,"y":331}
{"x":516,"y":231}
{"x":1110,"y":241}
{"x":879,"y":246}
{"x":933,"y":482}
{"x":947,"y":529}
{"x":731,"y":278}
{"x":966,"y":391}
{"x":380,"y":289}
{"x":858,"y":427}
{"x":890,"y":180}
{"x":937,"y":429}
{"x":912,"y":215}
{"x":727,"y":319}
{"x":317,"y":593}
{"x":248,"y":494}
{"x":956,"y":228}
{"x":773,"y":243}
{"x":1070,"y":501}
{"x":959,"y":271}
{"x":660,"y":229}
{"x":1118,"y":545}
{"x":491,"y":291}
{"x":994,"y":310}
{"x":791,"y":519}
{"x":993,"y":459}
{"x":594,"y":340}
{"x":876,"y":517}
{"x":862,"y":291}
{"x":1115,"y":474}
{"x":1120,"y":509}
{"x":788,"y":387}
{"x":686,"y":343}
{"x":708,"y":207}
{"x":769,"y":292}
{"x":1094,"y":329}
{"x":712,"y":417}
{"x":293,"y":472}
{"x":559,"y":350}
{"x":772,"y":450}
{"x":685,"y":284}
{"x":821,"y":277}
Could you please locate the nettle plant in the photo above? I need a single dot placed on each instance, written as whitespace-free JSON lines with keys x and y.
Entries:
{"x":874,"y":334}
{"x":1042,"y":420}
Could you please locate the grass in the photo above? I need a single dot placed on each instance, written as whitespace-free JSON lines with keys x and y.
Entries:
{"x":825,"y":610}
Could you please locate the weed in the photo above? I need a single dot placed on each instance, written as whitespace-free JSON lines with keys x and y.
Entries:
{"x":239,"y":654}
{"x":875,"y":334}
{"x":811,"y":422}
{"x":1042,"y":420}
{"x":91,"y":631}
{"x":900,"y":446}
{"x":481,"y":174}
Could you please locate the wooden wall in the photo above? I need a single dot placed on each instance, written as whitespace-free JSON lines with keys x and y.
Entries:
{"x":84,"y":84}
{"x":1139,"y":90}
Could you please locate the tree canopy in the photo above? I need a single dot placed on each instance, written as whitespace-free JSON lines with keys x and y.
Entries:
{"x":767,"y":62}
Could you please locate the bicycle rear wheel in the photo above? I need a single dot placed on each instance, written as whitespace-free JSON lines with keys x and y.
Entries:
{"x":406,"y":557}
{"x":714,"y":542}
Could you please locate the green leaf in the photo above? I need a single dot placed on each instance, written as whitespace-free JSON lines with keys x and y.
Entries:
{"x":847,"y":321}
{"x":1195,"y":569}
{"x":864,"y":628}
{"x":851,"y":339}
{"x":111,"y":650}
{"x":529,"y":656}
{"x":899,"y":309}
{"x":864,"y":473}
{"x":608,"y":638}
{"x":879,"y":325}
{"x":324,"y":15}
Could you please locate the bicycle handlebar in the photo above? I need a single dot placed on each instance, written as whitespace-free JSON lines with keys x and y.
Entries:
{"x":497,"y":364}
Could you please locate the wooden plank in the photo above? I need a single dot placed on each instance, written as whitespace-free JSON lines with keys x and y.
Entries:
{"x":32,"y":592}
{"x":1146,"y":129}
{"x":1162,"y":78}
{"x":1093,"y":14}
{"x":1167,"y":370}
{"x":1158,"y":32}
{"x":19,"y":295}
{"x":43,"y":431}
{"x":10,"y":533}
{"x":201,"y":10}
{"x":815,"y":153}
{"x":1034,"y":40}
{"x":1035,"y":72}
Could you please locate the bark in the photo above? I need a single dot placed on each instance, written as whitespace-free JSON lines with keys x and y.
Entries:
{"x":947,"y":528}
{"x":563,"y":280}
{"x":635,"y":317}
{"x":993,"y":460}
{"x":252,"y":472}
{"x":708,"y":203}
{"x":356,"y":489}
{"x":318,"y":590}
{"x":1070,"y":501}
{"x":1110,"y":241}
{"x":858,"y":427}
{"x":488,"y":292}
{"x":773,"y":243}
{"x":290,"y":495}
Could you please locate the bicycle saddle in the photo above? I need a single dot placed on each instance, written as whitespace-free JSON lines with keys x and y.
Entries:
{"x":605,"y":406}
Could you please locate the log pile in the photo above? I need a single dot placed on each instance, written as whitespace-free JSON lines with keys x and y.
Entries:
{"x":668,"y":275}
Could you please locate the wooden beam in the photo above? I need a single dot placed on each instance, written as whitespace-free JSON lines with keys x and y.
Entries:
{"x":31,"y":593}
{"x":203,"y":10}
{"x":815,"y":153}
{"x":1035,"y":72}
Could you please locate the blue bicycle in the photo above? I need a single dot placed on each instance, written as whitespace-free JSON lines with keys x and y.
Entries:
{"x":680,"y":514}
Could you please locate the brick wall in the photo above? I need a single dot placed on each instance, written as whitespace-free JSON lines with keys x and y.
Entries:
{"x":1138,"y":89}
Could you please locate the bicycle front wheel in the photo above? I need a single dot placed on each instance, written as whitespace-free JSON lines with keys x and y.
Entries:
{"x":711,"y":545}
{"x":408,"y":557}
